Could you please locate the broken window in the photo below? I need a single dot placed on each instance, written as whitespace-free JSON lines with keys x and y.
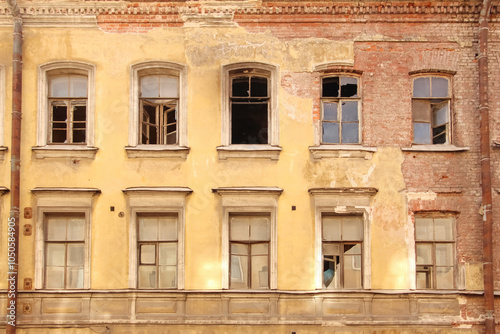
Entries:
{"x":249,"y":99}
{"x":431,"y":110}
{"x":435,"y":252}
{"x":159,"y":97}
{"x":157,"y":251}
{"x":64,"y":251}
{"x":68,"y":109}
{"x":340,"y":104}
{"x":249,"y":238}
{"x":342,"y":245}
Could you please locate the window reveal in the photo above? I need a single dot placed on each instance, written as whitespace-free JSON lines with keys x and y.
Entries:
{"x":249,"y":252}
{"x":342,"y":242}
{"x":68,"y":109}
{"x":159,"y":97}
{"x":340,"y":110}
{"x":431,"y":110}
{"x":157,"y":251}
{"x":249,"y":109}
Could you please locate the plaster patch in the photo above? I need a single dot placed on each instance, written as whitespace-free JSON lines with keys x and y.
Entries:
{"x":424,"y":196}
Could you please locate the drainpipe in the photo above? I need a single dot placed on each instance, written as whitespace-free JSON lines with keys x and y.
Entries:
{"x":489,"y":297}
{"x":15,"y":164}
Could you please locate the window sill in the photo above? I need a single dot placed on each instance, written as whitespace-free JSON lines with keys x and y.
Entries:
{"x":3,"y":152}
{"x":342,"y":151}
{"x":249,"y":151}
{"x":64,"y":151}
{"x":157,"y":151}
{"x":435,"y":148}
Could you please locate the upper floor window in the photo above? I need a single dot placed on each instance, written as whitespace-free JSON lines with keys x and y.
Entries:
{"x":340,"y":110}
{"x":431,"y":110}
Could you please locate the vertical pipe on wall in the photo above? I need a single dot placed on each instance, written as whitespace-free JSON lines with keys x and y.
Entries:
{"x":489,"y":298}
{"x":13,"y":225}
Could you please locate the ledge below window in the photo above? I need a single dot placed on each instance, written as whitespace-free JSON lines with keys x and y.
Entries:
{"x":342,"y":151}
{"x":3,"y":152}
{"x":435,"y":148}
{"x":64,"y":151}
{"x":249,"y":151}
{"x":157,"y":151}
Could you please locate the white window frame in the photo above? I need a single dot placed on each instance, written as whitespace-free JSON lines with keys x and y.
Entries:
{"x":137,"y":150}
{"x":45,"y":150}
{"x":157,"y":200}
{"x":3,"y":149}
{"x":250,"y":200}
{"x":271,"y":150}
{"x":354,"y":201}
{"x":61,"y":201}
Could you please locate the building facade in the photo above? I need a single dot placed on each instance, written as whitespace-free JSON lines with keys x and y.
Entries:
{"x":250,"y":166}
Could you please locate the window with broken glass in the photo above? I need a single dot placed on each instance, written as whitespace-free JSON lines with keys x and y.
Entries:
{"x":249,"y":99}
{"x":431,"y":110}
{"x":435,"y":252}
{"x":157,"y":251}
{"x":64,"y":251}
{"x":340,"y":104}
{"x":68,"y":109}
{"x":159,"y":97}
{"x":249,"y":251}
{"x":342,"y":244}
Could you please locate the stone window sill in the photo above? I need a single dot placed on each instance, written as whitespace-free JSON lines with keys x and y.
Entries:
{"x":249,"y":151}
{"x":435,"y":148}
{"x":157,"y":151}
{"x":342,"y":151}
{"x":3,"y":152}
{"x":64,"y":151}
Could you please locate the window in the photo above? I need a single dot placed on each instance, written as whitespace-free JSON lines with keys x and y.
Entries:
{"x":66,"y":98}
{"x":435,"y":252}
{"x":431,"y":110}
{"x":340,"y":110}
{"x":64,"y":251}
{"x":158,"y":113}
{"x":249,"y":238}
{"x":157,"y":251}
{"x":342,"y":251}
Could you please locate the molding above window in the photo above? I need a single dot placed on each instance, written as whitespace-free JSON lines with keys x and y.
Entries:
{"x":435,"y":148}
{"x":64,"y":151}
{"x":249,"y":151}
{"x":157,"y":151}
{"x":342,"y":151}
{"x":248,"y":190}
{"x":337,"y":67}
{"x":432,"y":71}
{"x":3,"y":152}
{"x":64,"y":197}
{"x":3,"y":191}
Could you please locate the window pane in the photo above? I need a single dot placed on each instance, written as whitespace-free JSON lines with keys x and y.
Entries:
{"x":424,"y":278}
{"x":352,"y":272}
{"x":349,"y":87}
{"x":352,"y":249}
{"x":55,"y":277}
{"x":78,"y":136}
{"x":421,"y":110}
{"x":168,"y":277}
{"x":350,"y":133}
{"x":239,"y":272}
{"x":76,"y":228}
{"x":330,"y":87}
{"x":443,"y":229}
{"x":260,"y":249}
{"x":331,"y":228}
{"x":424,"y":229}
{"x":331,"y":267}
{"x":59,"y":136}
{"x":440,"y":112}
{"x":148,"y":254}
{"x":167,"y":254}
{"x":168,"y":228}
{"x":260,"y":272}
{"x":76,"y":255}
{"x":56,"y":255}
{"x":240,"y":228}
{"x":59,"y":87}
{"x":424,"y":254}
{"x":330,"y":133}
{"x":352,"y":228}
{"x":350,"y":111}
{"x":259,"y":87}
{"x":78,"y":86}
{"x":56,"y":228}
{"x":147,"y":277}
{"x":249,"y":123}
{"x":241,"y":87}
{"x":168,"y":87}
{"x":445,"y":256}
{"x":439,"y":87}
{"x":74,"y":279}
{"x":59,"y":112}
{"x":259,"y":228}
{"x":422,"y":133}
{"x":79,"y":113}
{"x":150,"y":86}
{"x":239,"y":249}
{"x":330,"y":111}
{"x":148,"y":228}
{"x":331,"y":249}
{"x":444,"y":278}
{"x":421,"y":87}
